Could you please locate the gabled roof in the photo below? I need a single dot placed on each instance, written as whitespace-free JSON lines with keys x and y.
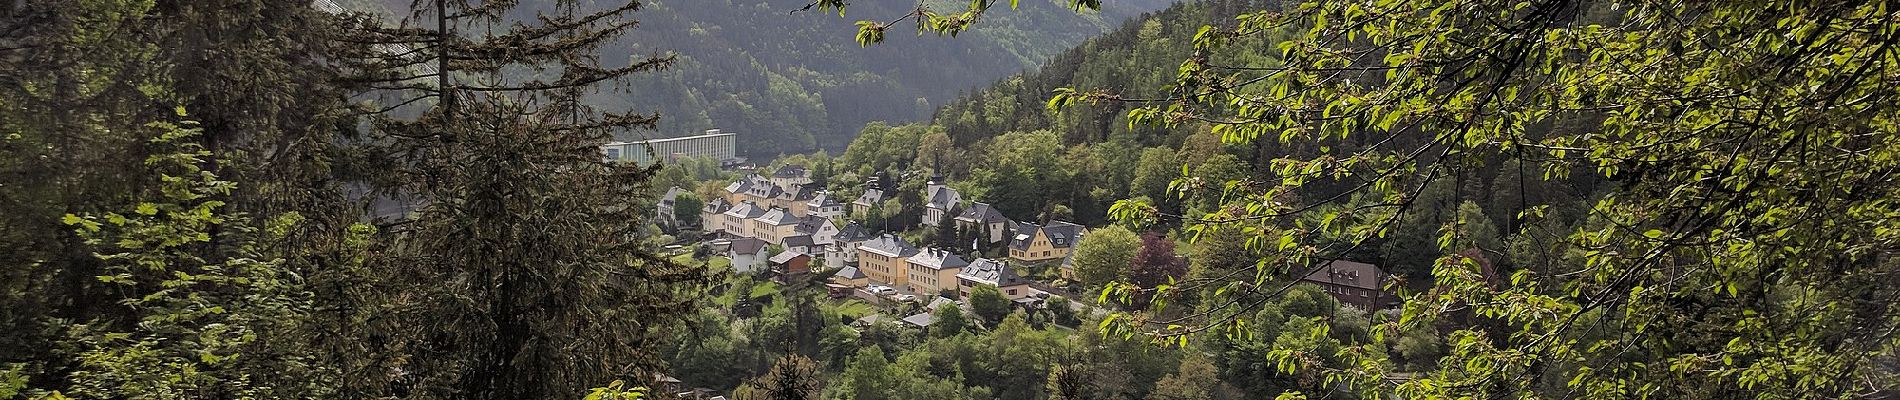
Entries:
{"x":849,"y":273}
{"x":778,"y":217}
{"x":787,"y":256}
{"x":1025,"y":233}
{"x":980,"y":212}
{"x":1347,"y":273}
{"x":806,"y":192}
{"x":672,"y":194}
{"x":871,"y":197}
{"x":739,"y":186}
{"x":1063,"y":234}
{"x":755,"y":185}
{"x":889,"y":245}
{"x":943,"y":198}
{"x":790,"y":171}
{"x":934,"y":258}
{"x":718,"y":205}
{"x":821,"y":199}
{"x":993,"y":272}
{"x":855,"y":232}
{"x":746,"y":210}
{"x":797,"y":241}
{"x":748,"y":246}
{"x":810,"y":224}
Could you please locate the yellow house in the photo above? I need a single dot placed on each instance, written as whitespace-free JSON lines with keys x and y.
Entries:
{"x":774,"y":225}
{"x":933,"y":270}
{"x":1048,"y":242}
{"x":882,"y":259}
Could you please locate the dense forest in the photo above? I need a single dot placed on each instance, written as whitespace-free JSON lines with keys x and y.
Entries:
{"x":1522,"y":192}
{"x":785,"y":81}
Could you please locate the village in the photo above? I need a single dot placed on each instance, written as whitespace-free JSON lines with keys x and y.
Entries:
{"x":782,"y":225}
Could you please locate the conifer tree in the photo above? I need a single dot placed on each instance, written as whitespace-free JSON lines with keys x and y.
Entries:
{"x":525,"y":258}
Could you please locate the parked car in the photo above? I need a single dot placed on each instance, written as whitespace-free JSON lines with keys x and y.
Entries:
{"x":906,"y":297}
{"x":884,"y":290}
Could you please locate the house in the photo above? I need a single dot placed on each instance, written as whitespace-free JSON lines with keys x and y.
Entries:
{"x":995,"y":273}
{"x":820,"y":229}
{"x":773,"y":225}
{"x":798,"y":198}
{"x":851,"y":276}
{"x":981,"y":217}
{"x":844,"y":246}
{"x":883,"y":259}
{"x":791,"y":175}
{"x":663,"y":213}
{"x":1352,"y":282}
{"x":932,"y":271}
{"x":755,"y":188}
{"x":1049,"y":242}
{"x":870,"y":200}
{"x":789,"y":265}
{"x":747,"y":254}
{"x":824,"y":204}
{"x":802,"y":244}
{"x":737,"y":221}
{"x":939,"y":201}
{"x":711,"y":217}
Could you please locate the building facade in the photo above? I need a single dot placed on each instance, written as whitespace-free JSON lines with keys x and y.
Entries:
{"x":714,"y":144}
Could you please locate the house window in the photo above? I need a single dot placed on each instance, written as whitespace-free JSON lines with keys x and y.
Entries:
{"x":1012,"y":292}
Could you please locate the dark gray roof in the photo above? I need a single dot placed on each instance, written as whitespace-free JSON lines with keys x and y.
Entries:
{"x":980,"y":212}
{"x":786,"y":257}
{"x":718,"y":205}
{"x":937,"y":259}
{"x":805,"y":192}
{"x":855,"y":232}
{"x":1347,"y":273}
{"x":1025,"y":233}
{"x":748,"y":246}
{"x":992,"y":272}
{"x":890,"y":245}
{"x":790,"y":171}
{"x":1062,"y":234}
{"x":943,"y":198}
{"x":798,"y":241}
{"x":810,"y":224}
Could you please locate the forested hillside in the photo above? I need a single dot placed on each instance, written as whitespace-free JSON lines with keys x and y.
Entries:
{"x":795,"y":82}
{"x":792,"y":82}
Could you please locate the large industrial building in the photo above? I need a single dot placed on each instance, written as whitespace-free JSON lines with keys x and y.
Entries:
{"x":719,"y":146}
